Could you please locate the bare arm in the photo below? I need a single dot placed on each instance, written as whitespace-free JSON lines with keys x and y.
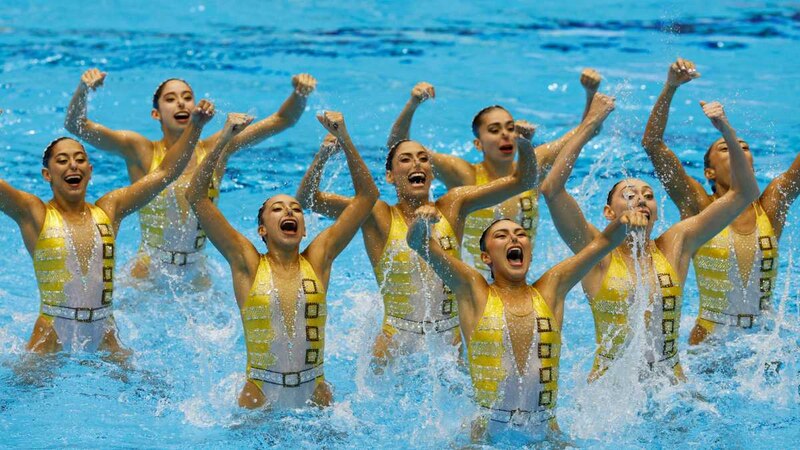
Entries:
{"x":25,"y":209}
{"x":452,"y":170}
{"x":128,"y":144}
{"x":698,"y":229}
{"x":590,"y":80}
{"x":685,"y":191}
{"x":308,"y":193}
{"x":402,"y":125}
{"x":122,"y":202}
{"x":325,"y":247}
{"x":570,"y":221}
{"x":780,"y":194}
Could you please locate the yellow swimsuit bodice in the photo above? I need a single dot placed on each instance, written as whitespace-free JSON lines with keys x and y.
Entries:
{"x":491,"y":358}
{"x":713,"y":265}
{"x":524,"y":208}
{"x":153,"y":216}
{"x":50,"y":257}
{"x":258,"y":315}
{"x":610,"y":308}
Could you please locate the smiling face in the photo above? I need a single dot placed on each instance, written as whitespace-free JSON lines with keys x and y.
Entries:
{"x":496,"y":135}
{"x":175,"y":103}
{"x":281,"y":222}
{"x":718,"y":164}
{"x":411,"y":172}
{"x":634,"y":194}
{"x":507,"y":250}
{"x":68,"y":170}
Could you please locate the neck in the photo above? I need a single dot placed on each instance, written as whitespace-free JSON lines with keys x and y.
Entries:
{"x":720,"y":190}
{"x":408,"y":205}
{"x":626,"y":248}
{"x":498,"y":169}
{"x":64,"y":205}
{"x":283,"y":257}
{"x":505,"y":284}
{"x":170,"y":136}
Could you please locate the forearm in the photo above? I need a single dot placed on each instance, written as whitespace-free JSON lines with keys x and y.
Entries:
{"x":657,"y":122}
{"x":562,"y":168}
{"x":526,"y":172}
{"x":362,"y":180}
{"x":743,"y":180}
{"x":292,"y":109}
{"x":76,"y":111}
{"x":402,"y":125}
{"x":589,"y":97}
{"x":309,"y":185}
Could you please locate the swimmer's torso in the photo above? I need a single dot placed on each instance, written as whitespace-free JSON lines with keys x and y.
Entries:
{"x":736,"y":275}
{"x":76,"y":287}
{"x":285,"y":362}
{"x":512,"y":394}
{"x":522,"y":208}
{"x":611,"y":307}
{"x":415,"y":299}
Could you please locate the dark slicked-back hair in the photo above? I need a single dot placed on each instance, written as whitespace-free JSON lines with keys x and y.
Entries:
{"x":392,"y":151}
{"x":482,"y":241}
{"x":160,"y":89}
{"x":612,"y":191}
{"x":476,"y":121}
{"x":707,"y":165}
{"x":48,"y":151}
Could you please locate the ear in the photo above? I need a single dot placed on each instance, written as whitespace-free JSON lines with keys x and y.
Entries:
{"x":477,"y":143}
{"x":710,"y":174}
{"x":609,"y":213}
{"x":262,"y":231}
{"x":486,"y":259}
{"x":389,"y":177}
{"x":46,"y":174}
{"x":155,"y":114}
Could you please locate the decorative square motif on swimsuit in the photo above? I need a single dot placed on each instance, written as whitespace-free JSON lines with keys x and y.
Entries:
{"x":108,"y":251}
{"x":545,"y":398}
{"x":104,"y":229}
{"x":445,"y":243}
{"x":309,"y":286}
{"x":525,"y":203}
{"x":765,"y":242}
{"x":669,"y":303}
{"x":766,"y":264}
{"x":665,"y":280}
{"x":312,"y":310}
{"x":447,"y":307}
{"x":311,"y":356}
{"x":669,"y":347}
{"x":312,"y":334}
{"x":108,"y":273}
{"x":527,"y":223}
{"x":107,"y":295}
{"x":543,"y":324}
{"x":545,"y":350}
{"x":199,"y":241}
{"x":545,"y":375}
{"x":667,"y":326}
{"x":766,"y":284}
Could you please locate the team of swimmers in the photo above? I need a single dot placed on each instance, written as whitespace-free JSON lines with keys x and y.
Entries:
{"x":454,"y":269}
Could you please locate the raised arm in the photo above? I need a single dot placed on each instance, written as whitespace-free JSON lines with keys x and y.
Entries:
{"x":568,"y":217}
{"x":590,"y":80}
{"x":697,"y":230}
{"x":460,"y":202}
{"x":121,"y":202}
{"x":402,"y":125}
{"x":288,"y":115}
{"x":328,"y":244}
{"x":25,"y":209}
{"x":558,"y":281}
{"x":308,"y":193}
{"x":235,"y":248}
{"x":686,"y":192}
{"x":780,"y":194}
{"x":128,"y":144}
{"x":457,"y":275}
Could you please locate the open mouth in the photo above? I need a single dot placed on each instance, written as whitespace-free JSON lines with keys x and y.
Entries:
{"x":646,"y":212}
{"x":73,"y":180}
{"x":514,"y":256}
{"x":417,"y":179}
{"x":181,"y":116}
{"x":289,"y":225}
{"x":507,"y":149}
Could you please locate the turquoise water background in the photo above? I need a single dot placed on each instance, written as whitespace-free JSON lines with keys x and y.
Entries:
{"x":527,"y":56}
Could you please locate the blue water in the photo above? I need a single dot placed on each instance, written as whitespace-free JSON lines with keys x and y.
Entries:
{"x":189,"y":353}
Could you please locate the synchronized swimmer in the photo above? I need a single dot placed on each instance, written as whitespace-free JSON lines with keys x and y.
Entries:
{"x":451,"y":271}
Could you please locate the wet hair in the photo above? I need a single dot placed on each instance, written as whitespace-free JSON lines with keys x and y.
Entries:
{"x":482,"y":241}
{"x":707,"y":165}
{"x":476,"y":121}
{"x":48,"y":151}
{"x":612,"y":191}
{"x":160,"y":89}
{"x":392,"y":151}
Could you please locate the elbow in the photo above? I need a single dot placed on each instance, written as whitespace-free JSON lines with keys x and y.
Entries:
{"x":548,"y":189}
{"x":650,"y":143}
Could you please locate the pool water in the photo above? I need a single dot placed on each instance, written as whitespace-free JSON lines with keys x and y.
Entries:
{"x":189,"y":356}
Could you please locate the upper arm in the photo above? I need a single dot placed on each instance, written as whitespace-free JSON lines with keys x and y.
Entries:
{"x":17,"y":204}
{"x":780,"y":194}
{"x":570,"y":221}
{"x":328,"y":244}
{"x":129,"y":144}
{"x":452,"y":170}
{"x":235,"y":248}
{"x":686,"y":192}
{"x":699,"y":229}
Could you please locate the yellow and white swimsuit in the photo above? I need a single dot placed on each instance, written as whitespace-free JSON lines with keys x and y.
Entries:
{"x":522,"y":399}
{"x":286,"y":368}
{"x":415,"y":300}
{"x":172,"y":239}
{"x":78,"y":306}
{"x":523,"y":208}
{"x":610,"y":308}
{"x":726,"y":299}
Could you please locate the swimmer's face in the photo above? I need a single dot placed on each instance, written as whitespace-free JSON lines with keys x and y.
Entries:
{"x":508,"y":250}
{"x":411,"y":172}
{"x":719,"y":163}
{"x":174,"y":105}
{"x":497,"y":136}
{"x":68,"y":170}
{"x":282,"y":221}
{"x":633,"y":194}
